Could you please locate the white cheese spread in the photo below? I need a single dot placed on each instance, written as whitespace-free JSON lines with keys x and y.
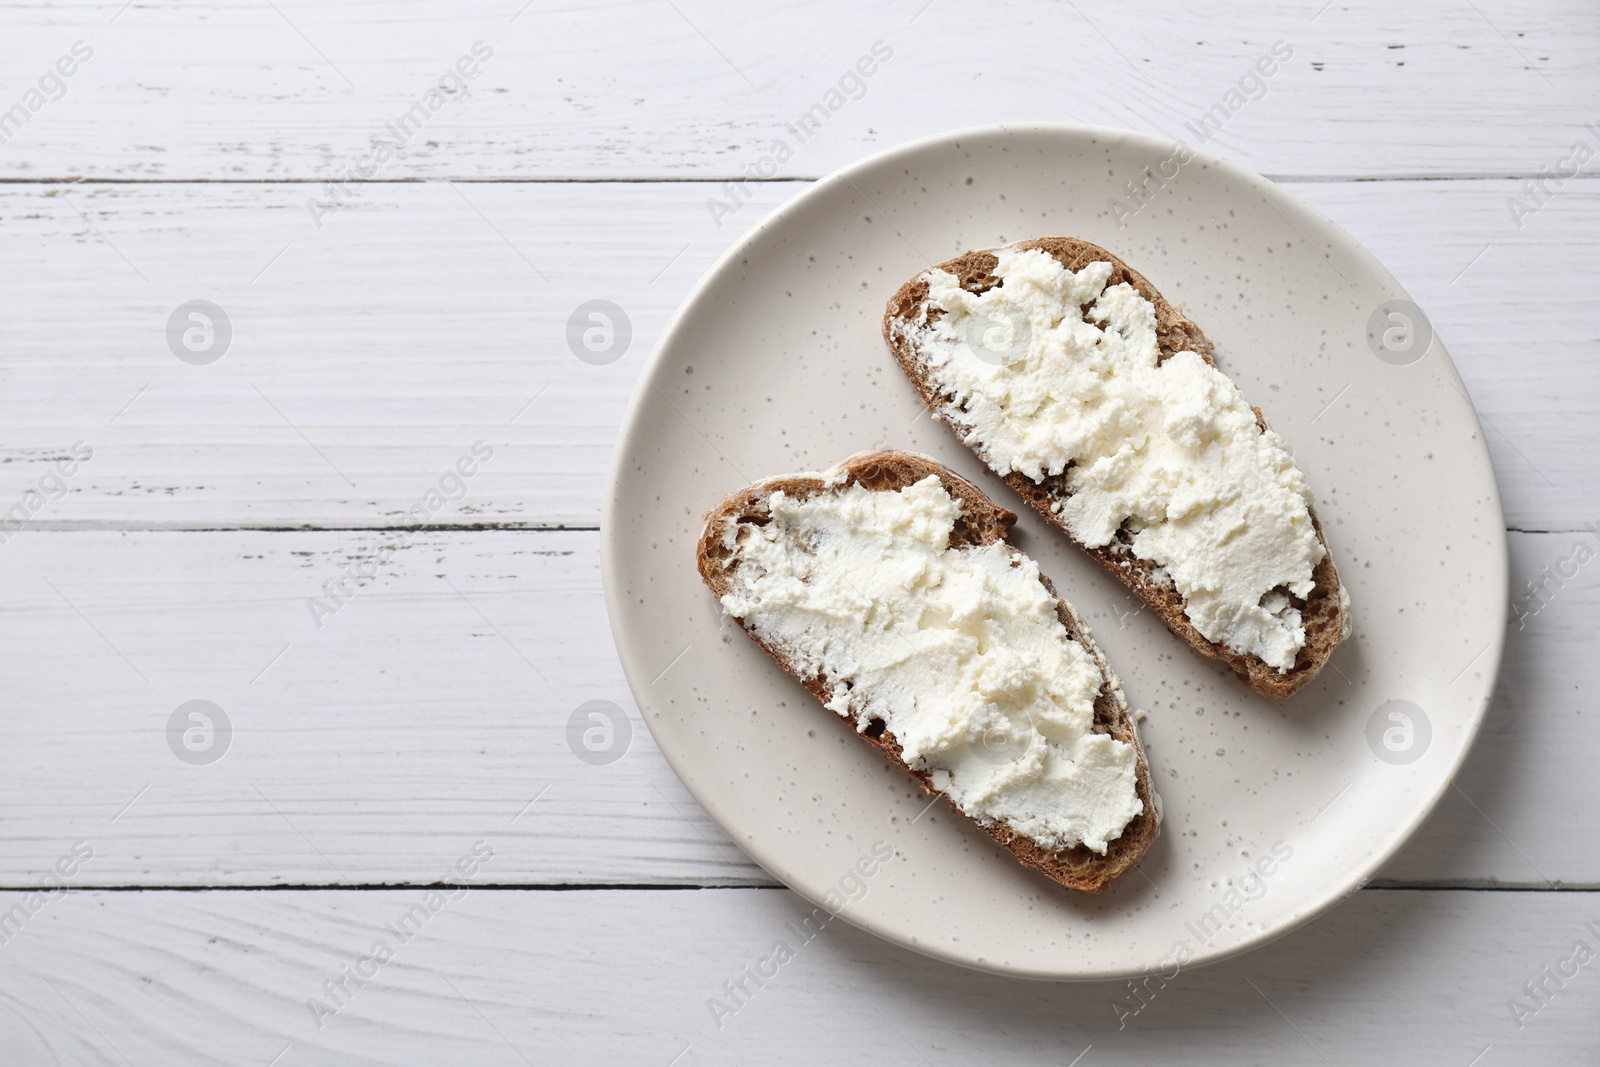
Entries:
{"x":1052,"y":371}
{"x":959,"y":651}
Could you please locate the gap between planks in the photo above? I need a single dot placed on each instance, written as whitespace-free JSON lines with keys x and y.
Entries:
{"x":791,"y":179}
{"x":652,"y":887}
{"x":532,"y":526}
{"x":119,"y":526}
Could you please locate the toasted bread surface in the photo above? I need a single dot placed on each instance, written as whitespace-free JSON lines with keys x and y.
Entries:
{"x":1325,"y":612}
{"x":982,"y":522}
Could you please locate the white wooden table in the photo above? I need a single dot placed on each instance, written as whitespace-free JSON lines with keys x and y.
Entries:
{"x":211,"y":905}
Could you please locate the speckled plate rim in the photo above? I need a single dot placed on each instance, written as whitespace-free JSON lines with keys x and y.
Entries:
{"x":1310,"y":223}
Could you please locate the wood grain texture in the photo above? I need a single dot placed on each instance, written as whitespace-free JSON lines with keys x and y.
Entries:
{"x":605,"y":977}
{"x":703,"y":89}
{"x":436,"y":698}
{"x":434,"y":705}
{"x":372,"y":352}
{"x":366,"y":358}
{"x":432,"y":711}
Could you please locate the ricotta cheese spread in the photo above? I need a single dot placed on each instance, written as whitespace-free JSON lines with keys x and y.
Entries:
{"x":1053,"y":371}
{"x":959,"y":651}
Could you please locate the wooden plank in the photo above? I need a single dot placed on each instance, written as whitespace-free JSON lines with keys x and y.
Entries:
{"x":434,"y":704}
{"x":628,"y":977}
{"x":433,"y":698}
{"x":378,"y":349}
{"x":374,"y":352}
{"x":704,"y":90}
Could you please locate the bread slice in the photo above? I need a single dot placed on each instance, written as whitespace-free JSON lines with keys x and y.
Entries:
{"x":1325,"y":612}
{"x":982,"y":522}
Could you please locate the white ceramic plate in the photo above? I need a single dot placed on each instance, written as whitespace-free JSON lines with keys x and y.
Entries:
{"x":1273,"y":811}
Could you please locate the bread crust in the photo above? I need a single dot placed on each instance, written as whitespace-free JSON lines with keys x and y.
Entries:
{"x":982,"y":522}
{"x":1325,"y":612}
